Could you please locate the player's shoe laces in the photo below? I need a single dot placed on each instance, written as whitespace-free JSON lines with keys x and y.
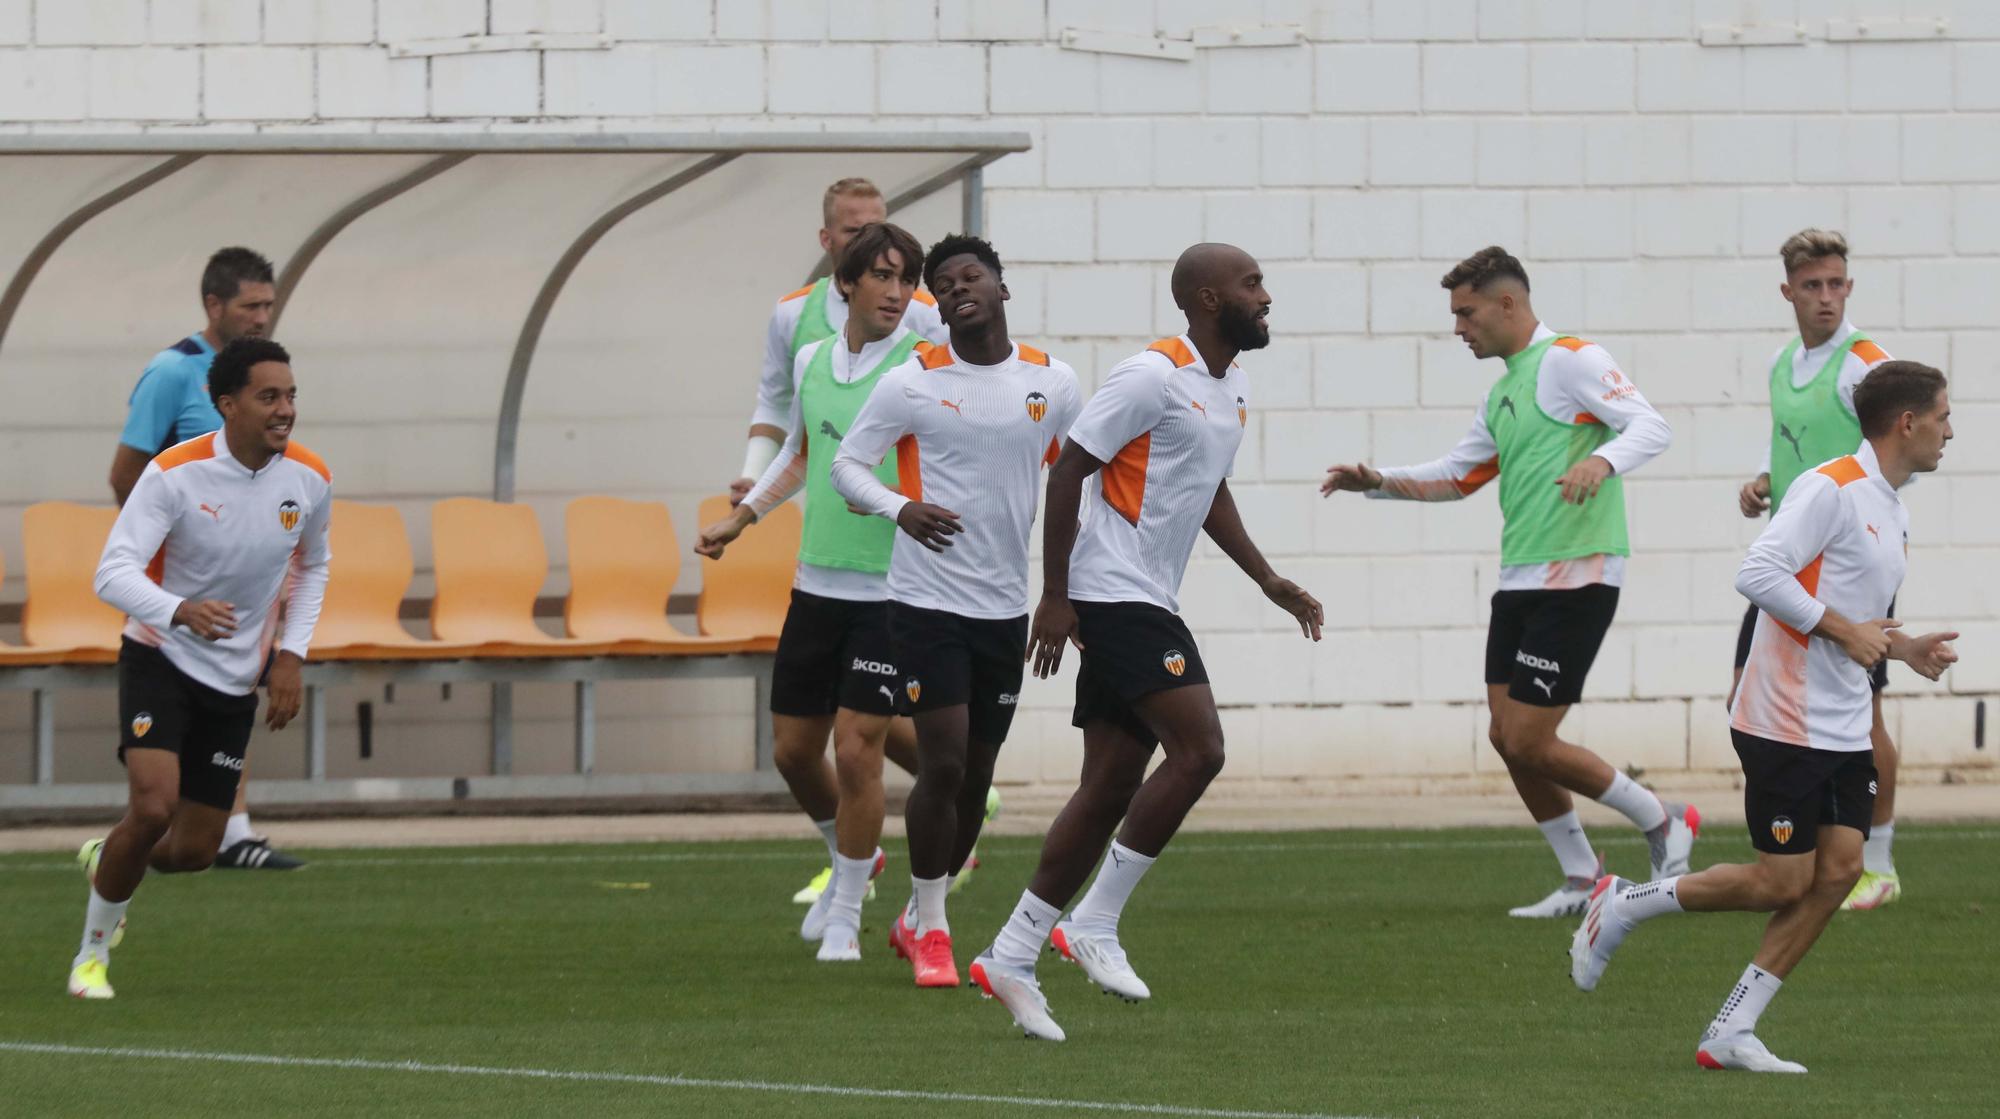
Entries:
{"x":87,"y":857}
{"x":1017,"y":990}
{"x":1102,"y":959}
{"x":255,"y":853}
{"x":814,"y":926}
{"x":90,"y":978}
{"x":1598,"y":934}
{"x":840,"y":945}
{"x":1874,"y":891}
{"x":1568,"y":899}
{"x":1743,"y":1052}
{"x":1683,"y":824}
{"x":930,"y":959}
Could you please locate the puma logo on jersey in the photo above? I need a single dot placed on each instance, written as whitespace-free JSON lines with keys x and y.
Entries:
{"x":1198,"y":406}
{"x":827,"y":429}
{"x":1785,"y":433}
{"x":1507,"y":402}
{"x":1873,"y":533}
{"x":212,"y":510}
{"x":953,"y":405}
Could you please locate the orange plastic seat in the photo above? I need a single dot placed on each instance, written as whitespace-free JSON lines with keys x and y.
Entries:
{"x":490,"y":563}
{"x":623,"y":562}
{"x":62,"y":543}
{"x":370,"y":573}
{"x":16,"y":656}
{"x":745,"y":594}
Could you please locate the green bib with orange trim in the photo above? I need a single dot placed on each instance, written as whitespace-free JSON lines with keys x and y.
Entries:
{"x":1535,"y":451}
{"x":1809,"y":425}
{"x":813,"y":325}
{"x":832,"y":535}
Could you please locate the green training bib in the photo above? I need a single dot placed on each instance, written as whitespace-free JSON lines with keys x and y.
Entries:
{"x":832,"y":536}
{"x":1809,"y":425}
{"x":1535,"y":450}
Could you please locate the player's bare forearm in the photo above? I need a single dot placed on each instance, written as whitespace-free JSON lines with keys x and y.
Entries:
{"x":1225,"y":526}
{"x":1062,"y":504}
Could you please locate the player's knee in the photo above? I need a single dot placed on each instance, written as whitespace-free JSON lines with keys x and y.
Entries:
{"x":1498,"y":740}
{"x":1837,"y":873}
{"x":855,"y":755}
{"x":793,"y":760}
{"x":941,"y":772}
{"x":1201,"y":760}
{"x":152,"y":813}
{"x":1523,"y":746}
{"x":1786,"y":886}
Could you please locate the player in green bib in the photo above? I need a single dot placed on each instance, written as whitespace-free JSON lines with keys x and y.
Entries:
{"x":1813,"y":378}
{"x":835,"y":671}
{"x":1560,"y":429}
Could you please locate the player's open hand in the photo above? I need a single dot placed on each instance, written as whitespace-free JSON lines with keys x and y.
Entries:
{"x":1582,"y":481}
{"x":1755,"y":496}
{"x":1055,"y":623}
{"x":1929,"y":655}
{"x":1357,"y":478}
{"x":211,"y":619}
{"x":286,"y":689}
{"x":933,"y":526}
{"x":740,"y":489}
{"x":722,"y":533}
{"x":1296,"y":602}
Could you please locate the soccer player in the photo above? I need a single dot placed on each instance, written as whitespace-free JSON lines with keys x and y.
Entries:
{"x":1822,"y":575}
{"x":812,"y":313}
{"x":1561,"y":429}
{"x":230,"y":515}
{"x":1812,"y":420}
{"x":972,"y":424}
{"x":835,"y":669}
{"x":1155,"y":447}
{"x":170,"y":404}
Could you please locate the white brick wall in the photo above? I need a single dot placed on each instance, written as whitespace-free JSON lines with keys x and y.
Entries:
{"x":1645,"y":179}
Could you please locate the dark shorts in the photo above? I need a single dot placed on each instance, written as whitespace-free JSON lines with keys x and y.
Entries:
{"x":1130,"y":651}
{"x":1878,"y":677}
{"x":948,"y":660}
{"x":162,"y":708}
{"x":1790,"y":792}
{"x":1541,"y":643}
{"x":834,"y":653}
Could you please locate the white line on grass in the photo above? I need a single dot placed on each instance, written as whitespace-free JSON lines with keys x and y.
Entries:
{"x":772,"y":1087}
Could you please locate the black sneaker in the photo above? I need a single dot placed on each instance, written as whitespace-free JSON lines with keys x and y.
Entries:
{"x":255,"y":853}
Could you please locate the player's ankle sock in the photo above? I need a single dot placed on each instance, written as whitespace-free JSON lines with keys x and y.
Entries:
{"x":1653,"y":899}
{"x":849,"y":886}
{"x":1875,"y":851}
{"x":832,"y":844}
{"x":1638,"y":804}
{"x":1021,"y":938}
{"x":930,"y":904}
{"x":99,"y":919}
{"x":1572,"y":847}
{"x":1745,"y":1004}
{"x":1116,"y":877}
{"x":236,"y":830}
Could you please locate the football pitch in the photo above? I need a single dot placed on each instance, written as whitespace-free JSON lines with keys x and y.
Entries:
{"x":1297,"y":974}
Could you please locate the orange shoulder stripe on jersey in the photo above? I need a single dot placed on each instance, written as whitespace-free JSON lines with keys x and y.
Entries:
{"x":1125,"y":478}
{"x":1032,"y":355}
{"x":799,"y":294}
{"x":297,"y":452}
{"x":922,"y":296}
{"x":934,"y":356}
{"x":1809,"y":579}
{"x":1572,"y":344}
{"x":1478,"y":476}
{"x":1844,"y":470}
{"x":1586,"y":418}
{"x":909,"y":469}
{"x":193,"y":450}
{"x":1055,"y":452}
{"x":1869,"y":353}
{"x":1175,"y":350}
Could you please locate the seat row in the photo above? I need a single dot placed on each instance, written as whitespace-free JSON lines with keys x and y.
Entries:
{"x":490,"y":564}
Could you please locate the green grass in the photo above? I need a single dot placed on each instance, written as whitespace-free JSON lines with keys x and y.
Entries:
{"x":1347,"y":973}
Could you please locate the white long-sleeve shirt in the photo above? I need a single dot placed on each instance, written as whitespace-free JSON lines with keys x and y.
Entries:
{"x":1571,"y":383}
{"x":1839,"y":542}
{"x":1807,"y":364}
{"x":776,"y":384}
{"x":201,"y":525}
{"x":973,"y":439}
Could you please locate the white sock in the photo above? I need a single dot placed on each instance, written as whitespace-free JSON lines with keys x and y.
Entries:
{"x":1653,"y":899}
{"x":1637,"y":802}
{"x":849,"y":886}
{"x":929,"y":902}
{"x":1022,"y":937}
{"x":1745,"y":1004}
{"x":1116,"y":876}
{"x":1875,"y":852}
{"x":236,"y":830}
{"x":99,"y":919}
{"x":832,"y":845}
{"x":1572,"y":847}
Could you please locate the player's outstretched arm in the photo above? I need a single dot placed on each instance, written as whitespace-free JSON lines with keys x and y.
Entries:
{"x":1055,"y":618}
{"x":1358,"y":478}
{"x":1471,"y":464}
{"x":1225,"y":526}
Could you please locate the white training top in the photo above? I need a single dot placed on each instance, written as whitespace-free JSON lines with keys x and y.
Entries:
{"x":1571,"y":383}
{"x":973,"y":439}
{"x":200,"y":525}
{"x":776,"y":385}
{"x":1839,"y":542}
{"x":1807,"y":363}
{"x":1167,"y":431}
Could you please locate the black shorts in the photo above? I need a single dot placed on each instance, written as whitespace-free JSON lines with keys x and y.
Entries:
{"x":834,"y":653}
{"x":1790,"y":792}
{"x":1541,"y":643}
{"x":1878,"y":677}
{"x":1130,"y":651}
{"x":949,"y":660}
{"x":162,"y":708}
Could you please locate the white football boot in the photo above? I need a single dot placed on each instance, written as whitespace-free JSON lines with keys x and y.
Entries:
{"x":1743,"y":1052}
{"x":1018,"y":991}
{"x":1568,"y":899}
{"x":1102,"y":959}
{"x":1599,"y":933}
{"x":1683,"y":824}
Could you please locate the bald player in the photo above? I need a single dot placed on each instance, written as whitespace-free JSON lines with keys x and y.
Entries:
{"x":1146,"y":467}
